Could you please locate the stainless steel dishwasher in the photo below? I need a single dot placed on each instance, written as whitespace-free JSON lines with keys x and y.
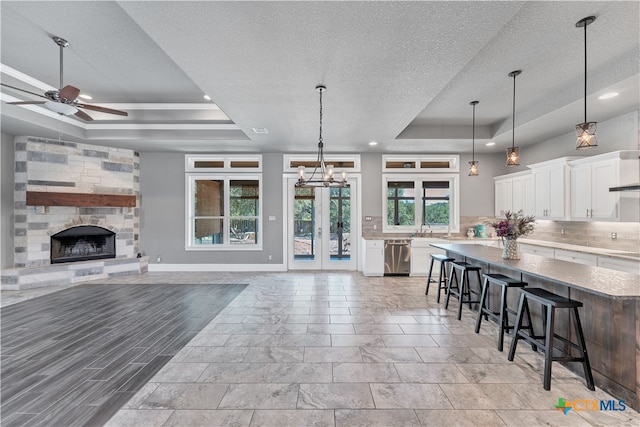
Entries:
{"x":397,"y":257}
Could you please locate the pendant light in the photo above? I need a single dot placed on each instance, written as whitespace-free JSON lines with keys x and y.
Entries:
{"x":473,"y":164}
{"x":586,"y":131}
{"x":513,"y":153}
{"x":325,"y":176}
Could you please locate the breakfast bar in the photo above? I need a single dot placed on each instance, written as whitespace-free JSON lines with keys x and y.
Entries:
{"x":610,"y":316}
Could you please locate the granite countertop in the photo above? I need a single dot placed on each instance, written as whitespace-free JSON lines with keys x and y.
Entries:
{"x":613,"y":253}
{"x":596,"y":280}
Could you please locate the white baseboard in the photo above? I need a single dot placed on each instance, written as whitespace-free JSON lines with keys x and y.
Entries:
{"x":217,"y":267}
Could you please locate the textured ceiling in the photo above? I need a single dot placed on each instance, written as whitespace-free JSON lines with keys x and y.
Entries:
{"x":399,"y":73}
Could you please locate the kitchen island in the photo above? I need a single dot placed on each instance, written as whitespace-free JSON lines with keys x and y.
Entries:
{"x":610,"y":316}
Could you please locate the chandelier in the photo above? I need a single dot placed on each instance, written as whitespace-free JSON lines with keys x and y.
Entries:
{"x":473,"y":164}
{"x":513,"y":153}
{"x":323,"y":174}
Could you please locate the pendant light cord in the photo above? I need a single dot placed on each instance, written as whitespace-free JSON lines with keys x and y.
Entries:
{"x":513,"y":115}
{"x":585,"y":73}
{"x":473,"y":135}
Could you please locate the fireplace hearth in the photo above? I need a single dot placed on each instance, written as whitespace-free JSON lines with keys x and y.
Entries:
{"x":82,"y":243}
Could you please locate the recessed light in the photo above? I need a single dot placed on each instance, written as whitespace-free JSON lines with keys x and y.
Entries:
{"x":608,"y":95}
{"x":85,"y":96}
{"x":260,"y":130}
{"x":490,"y":144}
{"x":373,"y":143}
{"x":207,"y":97}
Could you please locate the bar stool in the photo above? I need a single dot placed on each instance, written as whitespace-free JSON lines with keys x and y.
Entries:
{"x":462,"y":290}
{"x":442,"y":277}
{"x":550,"y":302}
{"x":501,"y":316}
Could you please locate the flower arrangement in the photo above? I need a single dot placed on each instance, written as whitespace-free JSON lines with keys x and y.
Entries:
{"x":514,"y":225}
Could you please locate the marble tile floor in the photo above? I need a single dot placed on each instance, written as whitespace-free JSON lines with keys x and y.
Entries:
{"x":341,"y":349}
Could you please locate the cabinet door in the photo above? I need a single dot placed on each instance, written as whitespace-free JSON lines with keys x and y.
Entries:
{"x":581,"y":192}
{"x":603,"y":202}
{"x":541,"y":192}
{"x":528,"y":195}
{"x":501,"y":197}
{"x":555,"y":186}
{"x":373,"y":258}
{"x":519,"y":195}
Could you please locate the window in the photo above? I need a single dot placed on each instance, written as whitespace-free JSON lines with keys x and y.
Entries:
{"x":427,"y":201}
{"x":401,"y":203}
{"x":224,"y":210}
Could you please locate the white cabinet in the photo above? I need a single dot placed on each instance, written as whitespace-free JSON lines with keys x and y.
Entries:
{"x":514,"y":192}
{"x":421,"y":256}
{"x":626,"y":265}
{"x":551,"y":188}
{"x":373,"y":257}
{"x":577,"y":257}
{"x":590,"y":181}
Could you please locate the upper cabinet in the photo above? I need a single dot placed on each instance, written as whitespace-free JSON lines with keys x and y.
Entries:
{"x":551,"y":188}
{"x":514,"y":192}
{"x":590,"y":179}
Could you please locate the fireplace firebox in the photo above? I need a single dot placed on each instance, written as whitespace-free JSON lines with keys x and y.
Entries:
{"x":82,"y":243}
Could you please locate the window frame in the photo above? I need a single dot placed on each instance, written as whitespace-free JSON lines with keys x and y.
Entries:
{"x":417,"y":180}
{"x":190,"y":217}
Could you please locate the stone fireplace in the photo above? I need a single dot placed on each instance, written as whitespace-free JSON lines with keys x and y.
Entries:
{"x":64,"y":188}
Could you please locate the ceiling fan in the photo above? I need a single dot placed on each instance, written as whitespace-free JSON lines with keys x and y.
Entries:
{"x":64,"y":100}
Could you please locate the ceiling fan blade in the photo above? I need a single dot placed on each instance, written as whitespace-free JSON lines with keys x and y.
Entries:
{"x":69,"y":93}
{"x":102,"y":109}
{"x":26,"y":102}
{"x":84,"y":116}
{"x":22,"y":90}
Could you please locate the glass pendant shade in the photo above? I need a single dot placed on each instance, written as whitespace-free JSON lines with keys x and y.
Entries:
{"x":586,"y":133}
{"x":513,"y":156}
{"x":473,"y":168}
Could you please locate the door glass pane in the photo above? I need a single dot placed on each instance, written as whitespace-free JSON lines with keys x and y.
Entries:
{"x":304,"y":223}
{"x":340,"y":223}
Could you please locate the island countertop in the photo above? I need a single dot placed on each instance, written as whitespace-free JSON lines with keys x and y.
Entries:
{"x":595,"y":280}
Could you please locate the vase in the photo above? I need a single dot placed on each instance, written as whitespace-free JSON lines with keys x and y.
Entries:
{"x":510,"y":248}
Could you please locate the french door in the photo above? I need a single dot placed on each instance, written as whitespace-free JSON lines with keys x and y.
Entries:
{"x":321,"y":227}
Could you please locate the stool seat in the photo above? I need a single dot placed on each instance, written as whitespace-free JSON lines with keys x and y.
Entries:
{"x":502,"y":315}
{"x":462,"y":290}
{"x":550,"y":302}
{"x":442,"y":276}
{"x":543,"y":296}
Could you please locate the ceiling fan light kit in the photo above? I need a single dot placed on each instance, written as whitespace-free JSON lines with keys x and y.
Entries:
{"x":64,"y":100}
{"x":325,"y":174}
{"x":586,"y":131}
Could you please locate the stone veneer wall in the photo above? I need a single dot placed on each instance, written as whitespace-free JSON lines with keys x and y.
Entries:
{"x":70,"y":167}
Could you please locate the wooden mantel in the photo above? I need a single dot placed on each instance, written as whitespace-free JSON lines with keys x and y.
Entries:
{"x":43,"y":198}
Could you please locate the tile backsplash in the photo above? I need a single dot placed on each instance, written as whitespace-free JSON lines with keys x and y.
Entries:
{"x":583,"y":233}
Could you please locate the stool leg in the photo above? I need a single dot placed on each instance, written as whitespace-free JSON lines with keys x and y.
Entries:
{"x":426,"y":292}
{"x":488,"y":295}
{"x":452,"y":277}
{"x":504,"y":319}
{"x":531,"y":332}
{"x":485,"y":286}
{"x":516,"y":329}
{"x":464,"y":284}
{"x":583,"y":350}
{"x":442,"y":278}
{"x":548,"y":351}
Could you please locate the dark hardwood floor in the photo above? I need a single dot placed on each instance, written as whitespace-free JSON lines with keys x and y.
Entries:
{"x":74,"y":357}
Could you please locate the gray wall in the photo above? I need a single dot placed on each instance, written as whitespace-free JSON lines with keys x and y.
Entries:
{"x":6,"y":200}
{"x":162,"y":213}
